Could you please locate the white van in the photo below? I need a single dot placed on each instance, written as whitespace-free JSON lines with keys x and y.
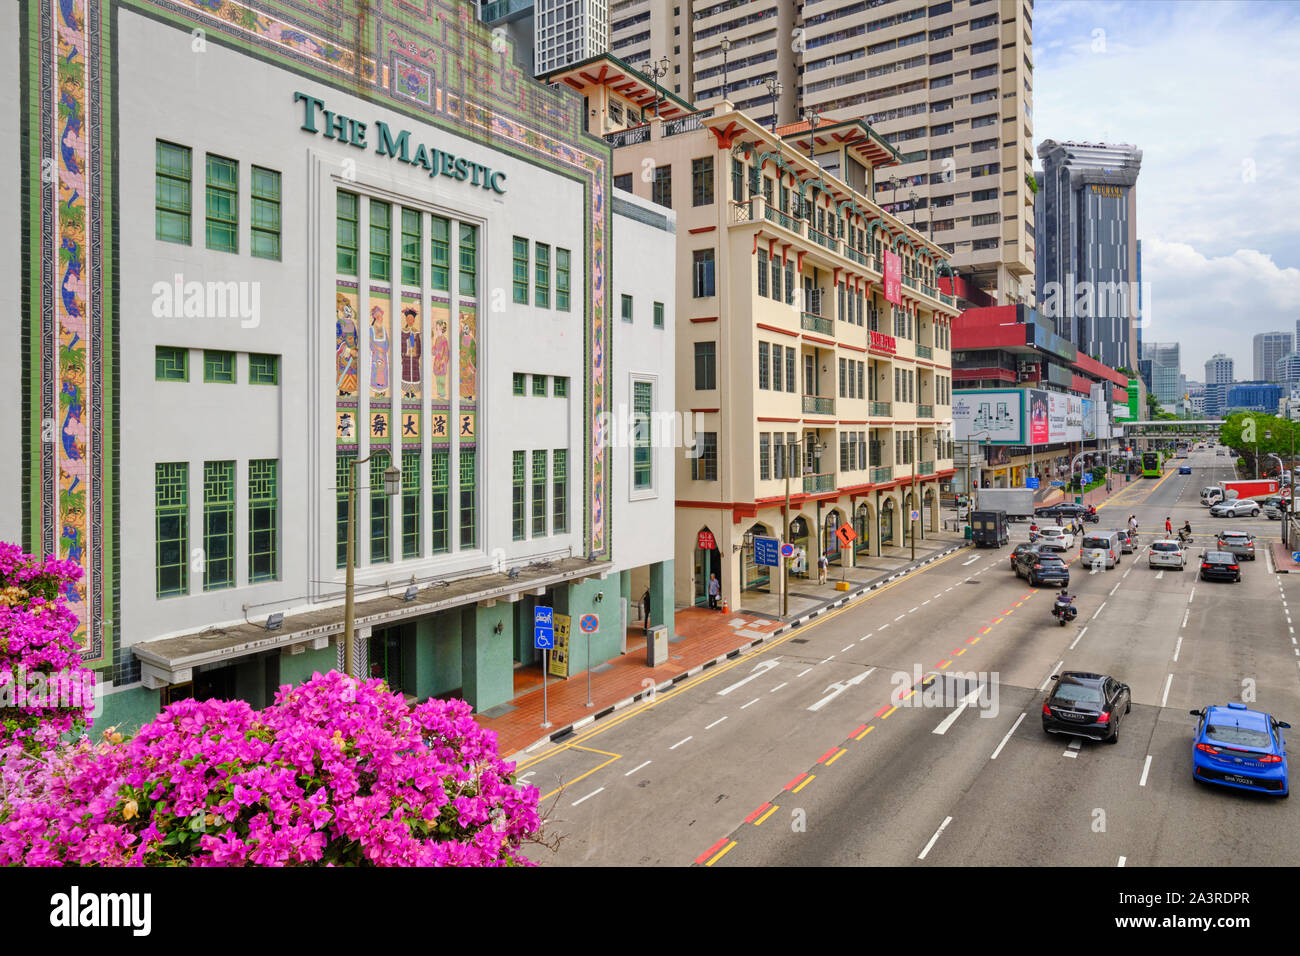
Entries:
{"x":1211,"y":495}
{"x":1100,"y":549}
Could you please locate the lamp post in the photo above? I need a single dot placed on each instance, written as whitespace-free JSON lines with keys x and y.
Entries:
{"x":814,"y":118}
{"x":912,"y":198}
{"x":655,"y":71}
{"x":774,"y":87}
{"x":725,"y":43}
{"x":392,"y":485}
{"x":818,"y":447}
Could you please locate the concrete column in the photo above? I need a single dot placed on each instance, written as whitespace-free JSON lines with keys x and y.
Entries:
{"x":297,"y":668}
{"x":487,"y":664}
{"x":662,"y":605}
{"x":579,"y":599}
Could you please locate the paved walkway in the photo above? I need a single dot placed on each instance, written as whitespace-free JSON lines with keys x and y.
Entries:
{"x":1282,"y":558}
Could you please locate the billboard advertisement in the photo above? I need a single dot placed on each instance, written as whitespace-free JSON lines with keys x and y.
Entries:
{"x":1074,"y":418}
{"x":1058,"y":411}
{"x":1128,"y":412}
{"x":993,"y":415}
{"x":1037,"y":417}
{"x":893,"y":277}
{"x":1089,"y":420}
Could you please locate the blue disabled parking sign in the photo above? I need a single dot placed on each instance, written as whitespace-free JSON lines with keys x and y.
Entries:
{"x":544,"y":628}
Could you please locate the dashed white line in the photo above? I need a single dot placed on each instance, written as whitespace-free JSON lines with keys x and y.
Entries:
{"x":778,"y":687}
{"x":1098,"y":611}
{"x":883,"y":626}
{"x":1186,"y":615}
{"x":865,"y":636}
{"x":1145,"y":767}
{"x":1126,"y":573}
{"x":1177,"y":647}
{"x":998,"y":750}
{"x":1079,"y":638}
{"x":942,"y":826}
{"x":848,"y":648}
{"x":646,"y":764}
{"x":971,"y":561}
{"x":754,"y":701}
{"x":1165,"y":696}
{"x":1160,"y":574}
{"x":1050,"y":673}
{"x":1122,"y":859}
{"x":1192,"y":594}
{"x":1116,"y":587}
{"x":924,"y":603}
{"x":587,"y":797}
{"x":824,"y":660}
{"x":900,"y":617}
{"x":1073,"y":750}
{"x":682,"y":741}
{"x":802,"y":672}
{"x":715,"y":723}
{"x":914,"y":610}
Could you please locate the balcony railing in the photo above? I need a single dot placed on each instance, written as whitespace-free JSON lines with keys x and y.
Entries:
{"x":823,"y":240}
{"x":947,"y":299}
{"x":742,"y":211}
{"x":884,"y":473}
{"x":816,"y":323}
{"x":813,"y":483}
{"x":925,"y":411}
{"x":683,"y":124}
{"x":629,"y":137}
{"x":931,"y":291}
{"x":924,"y":351}
{"x":856,"y":256}
{"x":910,"y":282}
{"x":925,"y":468}
{"x":879,"y":409}
{"x":783,"y":219}
{"x":818,"y":405}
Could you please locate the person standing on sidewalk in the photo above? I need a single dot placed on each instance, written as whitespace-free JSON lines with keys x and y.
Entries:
{"x":645,"y":611}
{"x":822,"y":566}
{"x":715,"y":591}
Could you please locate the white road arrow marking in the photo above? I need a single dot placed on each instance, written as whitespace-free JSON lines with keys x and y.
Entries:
{"x":760,"y":669}
{"x":839,"y":688}
{"x":957,"y":711}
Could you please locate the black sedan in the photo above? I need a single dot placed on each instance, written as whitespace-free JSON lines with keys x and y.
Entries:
{"x":1065,"y":510}
{"x":1086,"y":705}
{"x":1042,"y":566}
{"x":1019,"y":550}
{"x":1220,"y":565}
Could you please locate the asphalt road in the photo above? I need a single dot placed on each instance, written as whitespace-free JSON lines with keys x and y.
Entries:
{"x":904,"y":729}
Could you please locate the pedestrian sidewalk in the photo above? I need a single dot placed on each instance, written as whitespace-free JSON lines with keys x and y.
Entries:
{"x":1282,"y":559}
{"x":704,"y":639}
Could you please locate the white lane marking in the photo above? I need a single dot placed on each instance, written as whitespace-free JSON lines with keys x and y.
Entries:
{"x":1049,"y":674}
{"x":802,"y":672}
{"x":883,"y":626}
{"x":760,"y":669}
{"x":972,"y":560}
{"x":527,"y":775}
{"x":646,"y":764}
{"x":947,"y":589}
{"x":754,"y":701}
{"x":778,"y":687}
{"x":942,"y":826}
{"x":999,"y":747}
{"x":1178,"y":647}
{"x":839,"y":688}
{"x":1079,"y":638}
{"x":1165,"y":696}
{"x":1098,"y":611}
{"x":1116,"y":587}
{"x":825,"y":659}
{"x":1122,"y":859}
{"x":1192,"y":594}
{"x":1161,"y":574}
{"x":865,"y":636}
{"x":587,"y":797}
{"x":849,"y":648}
{"x":913,"y":610}
{"x":1145,"y":767}
{"x":1075,"y":744}
{"x":924,"y":603}
{"x":1186,"y":615}
{"x":715,"y":723}
{"x":1127,"y":572}
{"x":900,"y":617}
{"x":682,"y":741}
{"x":957,"y":711}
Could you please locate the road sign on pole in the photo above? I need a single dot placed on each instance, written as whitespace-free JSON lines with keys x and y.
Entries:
{"x":544,"y":628}
{"x":787,"y":550}
{"x":765,"y":552}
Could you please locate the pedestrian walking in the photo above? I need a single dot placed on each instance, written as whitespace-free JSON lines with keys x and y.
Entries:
{"x":645,"y":610}
{"x":715,"y":591}
{"x":822,"y":566}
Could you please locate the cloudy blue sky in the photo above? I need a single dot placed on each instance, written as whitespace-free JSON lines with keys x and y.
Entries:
{"x":1210,"y":92}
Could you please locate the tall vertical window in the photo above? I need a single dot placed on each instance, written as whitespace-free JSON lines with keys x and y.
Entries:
{"x":218,"y":525}
{"x":518,"y":525}
{"x":265,"y":240}
{"x":440,"y":501}
{"x":520,"y":270}
{"x":702,"y":181}
{"x":342,"y":480}
{"x":764,"y":455}
{"x":661,"y":189}
{"x":542,"y":276}
{"x":560,"y":491}
{"x":468,"y":489}
{"x":562,"y":279}
{"x":468,"y":259}
{"x":762,"y":272}
{"x":764,"y":379}
{"x":625,"y":307}
{"x":702,"y":261}
{"x":263,"y":520}
{"x":172,"y":192}
{"x":346,"y":233}
{"x":223,"y":204}
{"x":380,"y":510}
{"x":777,"y":364}
{"x":776,"y":278}
{"x":706,"y":366}
{"x":412,"y":488}
{"x":843,"y":379}
{"x":411,"y":246}
{"x":381,"y":240}
{"x":642,"y":452}
{"x":171,"y":364}
{"x":659,"y":315}
{"x":737,"y":180}
{"x":789,"y":283}
{"x":789,"y":370}
{"x":539,"y":494}
{"x":440,"y":254}
{"x":778,"y":455}
{"x":171,"y":527}
{"x":705,"y":466}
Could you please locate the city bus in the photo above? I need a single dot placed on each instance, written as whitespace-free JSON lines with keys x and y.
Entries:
{"x":1152,"y":464}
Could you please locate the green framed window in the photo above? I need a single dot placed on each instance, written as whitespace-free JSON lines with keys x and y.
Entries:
{"x":171,"y":364}
{"x":218,"y":525}
{"x":411,"y":246}
{"x":342,"y":480}
{"x":171,"y":528}
{"x":519,"y":258}
{"x":347,"y":232}
{"x":561,"y":387}
{"x":519,"y":383}
{"x":659,"y":315}
{"x":263,"y":369}
{"x":172,"y":175}
{"x":517,"y":526}
{"x":263,"y":520}
{"x":468,"y":493}
{"x":539,"y":386}
{"x":642,"y":453}
{"x":223,"y":204}
{"x":562,"y":279}
{"x":702,"y":181}
{"x":440,"y":501}
{"x":539,"y":494}
{"x":542,"y":276}
{"x":219,"y":366}
{"x":411,"y":495}
{"x":625,"y":307}
{"x":468,"y":260}
{"x":380,"y":510}
{"x":560,"y":491}
{"x":381,"y":240}
{"x":265,"y":236}
{"x":440,"y":254}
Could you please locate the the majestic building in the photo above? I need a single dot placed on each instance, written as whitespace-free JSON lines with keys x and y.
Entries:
{"x":1086,"y":269}
{"x":812,"y":337}
{"x":305,"y":253}
{"x":1269,"y":348}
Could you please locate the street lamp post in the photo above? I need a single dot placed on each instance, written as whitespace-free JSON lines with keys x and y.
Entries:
{"x":774,"y":87}
{"x":819,"y":447}
{"x":655,"y":71}
{"x":814,"y":118}
{"x":725,"y":43}
{"x":392,"y":485}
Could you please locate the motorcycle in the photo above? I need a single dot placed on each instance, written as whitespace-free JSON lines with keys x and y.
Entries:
{"x":1091,"y":515}
{"x":1064,"y":611}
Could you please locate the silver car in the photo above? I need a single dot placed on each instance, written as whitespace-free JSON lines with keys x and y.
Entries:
{"x":1238,"y":543}
{"x":1235,"y":508}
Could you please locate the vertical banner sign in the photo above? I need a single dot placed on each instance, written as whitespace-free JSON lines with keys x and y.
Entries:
{"x":1038,"y":429}
{"x":560,"y":653}
{"x":893,"y":277}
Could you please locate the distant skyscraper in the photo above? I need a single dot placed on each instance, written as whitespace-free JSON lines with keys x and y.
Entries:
{"x":548,"y":34}
{"x":1218,"y":370}
{"x":1288,"y":371}
{"x":1271,"y":348}
{"x":1166,"y":371}
{"x":1086,"y":229}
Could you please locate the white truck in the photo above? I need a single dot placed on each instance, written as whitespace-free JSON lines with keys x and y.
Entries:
{"x":1016,"y":502}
